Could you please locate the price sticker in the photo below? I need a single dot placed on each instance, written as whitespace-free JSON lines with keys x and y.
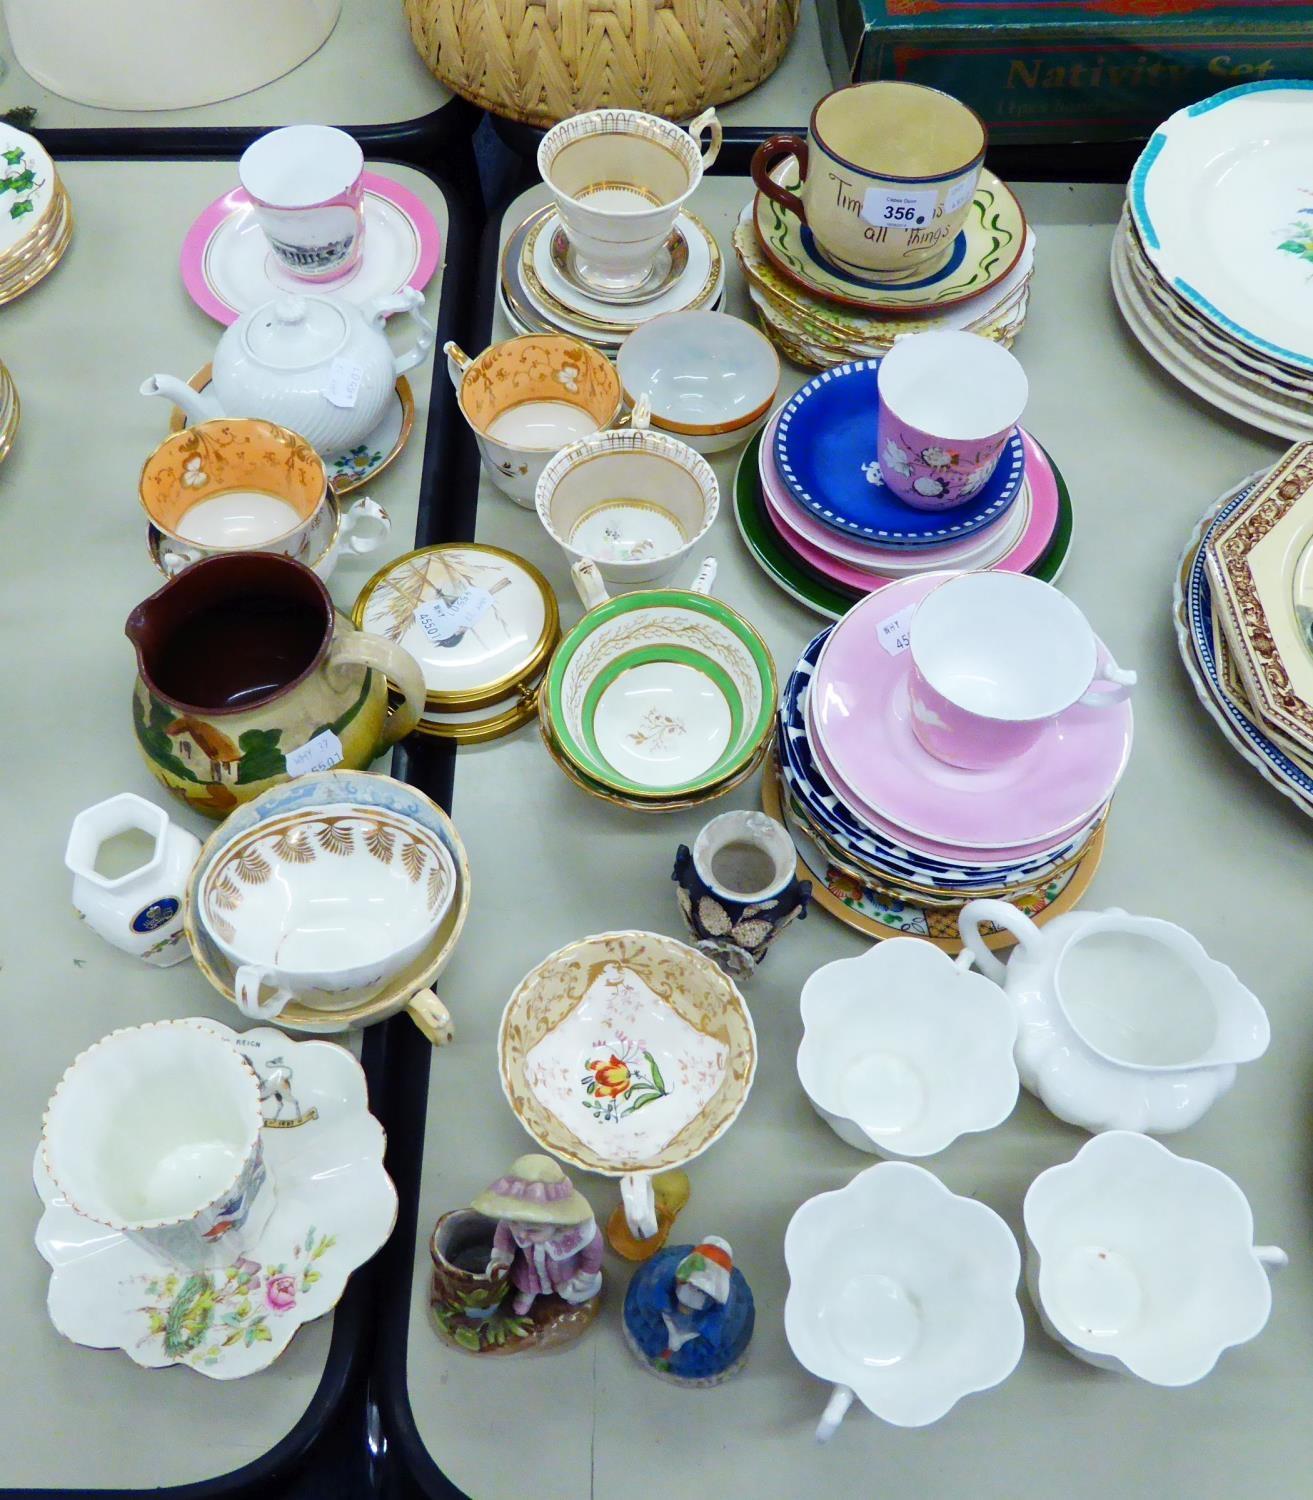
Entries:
{"x":319,"y":754}
{"x":960,"y":193}
{"x":894,"y":631}
{"x":893,"y":209}
{"x":344,"y":377}
{"x":445,"y":621}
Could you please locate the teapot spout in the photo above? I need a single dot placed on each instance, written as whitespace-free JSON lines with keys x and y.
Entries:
{"x":198,"y":407}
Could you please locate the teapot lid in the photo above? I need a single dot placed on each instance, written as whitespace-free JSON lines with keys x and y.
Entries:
{"x":481,"y":623}
{"x":295,"y":333}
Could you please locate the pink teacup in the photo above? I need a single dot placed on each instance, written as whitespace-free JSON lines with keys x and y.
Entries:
{"x":307,"y":185}
{"x":948,"y":404}
{"x":995,"y":657}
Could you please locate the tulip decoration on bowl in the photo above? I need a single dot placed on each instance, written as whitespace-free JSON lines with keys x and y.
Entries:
{"x":902,"y":1295}
{"x":1124,"y":1022}
{"x":1143,"y":1262}
{"x":904,"y":1050}
{"x":627,"y":1054}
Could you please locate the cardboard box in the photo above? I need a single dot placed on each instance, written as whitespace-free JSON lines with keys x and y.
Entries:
{"x":1070,"y":70}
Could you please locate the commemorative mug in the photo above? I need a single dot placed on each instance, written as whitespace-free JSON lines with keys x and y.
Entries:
{"x":306,"y":183}
{"x":155,"y":1132}
{"x":620,"y":178}
{"x":948,"y":403}
{"x":995,"y":657}
{"x":885,"y":177}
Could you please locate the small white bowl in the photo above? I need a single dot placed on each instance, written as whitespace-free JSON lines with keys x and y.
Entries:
{"x":1143,"y":1261}
{"x":711,"y":378}
{"x":904,"y":1049}
{"x":902,"y":1294}
{"x":633,"y":502}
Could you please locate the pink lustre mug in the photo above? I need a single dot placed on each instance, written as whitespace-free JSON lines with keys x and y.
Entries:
{"x":995,"y":657}
{"x":307,"y":185}
{"x":948,"y":403}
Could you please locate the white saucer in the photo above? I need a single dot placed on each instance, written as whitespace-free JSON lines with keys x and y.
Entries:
{"x":335,"y":1207}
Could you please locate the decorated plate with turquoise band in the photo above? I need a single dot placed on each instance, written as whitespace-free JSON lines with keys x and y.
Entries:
{"x":826,"y":456}
{"x":660,"y":694}
{"x":987,"y":247}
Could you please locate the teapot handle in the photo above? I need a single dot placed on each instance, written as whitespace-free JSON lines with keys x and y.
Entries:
{"x":399,"y":667}
{"x":1002,"y":914}
{"x":420,"y":350}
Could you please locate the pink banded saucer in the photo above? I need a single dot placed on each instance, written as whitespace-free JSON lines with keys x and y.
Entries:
{"x":859,"y":724}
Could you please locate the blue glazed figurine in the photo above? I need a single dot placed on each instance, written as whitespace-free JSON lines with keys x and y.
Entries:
{"x":689,"y":1314}
{"x":738,"y":889}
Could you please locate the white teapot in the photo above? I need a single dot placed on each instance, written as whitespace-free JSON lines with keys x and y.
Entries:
{"x":319,"y":365}
{"x":1123,"y":1022}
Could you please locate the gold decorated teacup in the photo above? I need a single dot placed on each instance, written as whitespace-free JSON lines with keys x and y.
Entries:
{"x":885,"y":177}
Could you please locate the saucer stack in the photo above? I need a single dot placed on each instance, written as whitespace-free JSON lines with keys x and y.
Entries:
{"x":1244,"y":620}
{"x":36,"y":221}
{"x":1212,"y":258}
{"x":9,"y":412}
{"x":812,"y":506}
{"x":819,"y":315}
{"x":897,"y":841}
{"x":541,"y":291}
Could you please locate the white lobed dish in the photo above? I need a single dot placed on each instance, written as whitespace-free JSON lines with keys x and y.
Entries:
{"x":904,"y":1049}
{"x":1143,"y":1262}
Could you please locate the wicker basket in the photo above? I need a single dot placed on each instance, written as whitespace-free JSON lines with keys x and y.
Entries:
{"x":540,"y":61}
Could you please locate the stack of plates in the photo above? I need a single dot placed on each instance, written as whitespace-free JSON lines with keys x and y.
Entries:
{"x":1211,"y":264}
{"x":819,"y":315}
{"x":814,"y":510}
{"x":9,"y":412}
{"x":1243,"y":605}
{"x":540,"y":291}
{"x":36,"y":221}
{"x":898,"y":841}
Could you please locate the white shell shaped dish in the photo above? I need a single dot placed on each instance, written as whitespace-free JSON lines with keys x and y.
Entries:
{"x":1143,"y":1261}
{"x":903,"y":1292}
{"x":904,"y":1050}
{"x":705,"y":374}
{"x":334,"y":1207}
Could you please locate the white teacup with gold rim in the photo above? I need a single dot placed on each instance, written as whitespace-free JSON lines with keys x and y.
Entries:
{"x":619,"y":178}
{"x":528,"y":397}
{"x":886,"y":176}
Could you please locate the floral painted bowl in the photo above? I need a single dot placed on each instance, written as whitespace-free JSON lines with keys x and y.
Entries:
{"x":901,"y":1294}
{"x":1143,"y":1261}
{"x":626,"y":1053}
{"x":904,"y":1050}
{"x":660,"y":694}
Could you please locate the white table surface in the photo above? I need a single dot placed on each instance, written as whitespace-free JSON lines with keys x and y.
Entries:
{"x":1195,"y":836}
{"x":366,"y":73}
{"x":73,"y":561}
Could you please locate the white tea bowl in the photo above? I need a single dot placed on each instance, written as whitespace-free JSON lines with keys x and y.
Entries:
{"x":325,"y":904}
{"x":1142,"y":1261}
{"x":634,"y":502}
{"x":902,"y":1294}
{"x":155,"y":1132}
{"x":710,"y":379}
{"x":904,"y":1049}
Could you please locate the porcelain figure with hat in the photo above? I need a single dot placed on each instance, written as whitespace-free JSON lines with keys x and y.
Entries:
{"x":689,"y":1314}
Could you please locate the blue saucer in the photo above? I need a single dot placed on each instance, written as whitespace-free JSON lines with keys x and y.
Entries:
{"x":825,"y":453}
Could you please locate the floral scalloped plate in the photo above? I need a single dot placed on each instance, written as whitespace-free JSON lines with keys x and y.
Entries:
{"x":335,"y":1206}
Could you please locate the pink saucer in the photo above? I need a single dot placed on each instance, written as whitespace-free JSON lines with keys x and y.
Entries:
{"x":859,"y":725}
{"x":831,"y":555}
{"x":228,"y":269}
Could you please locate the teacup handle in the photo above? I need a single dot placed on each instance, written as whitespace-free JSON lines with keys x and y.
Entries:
{"x":640,"y":419}
{"x":1002,"y":914}
{"x":639,"y":1199}
{"x":766,"y":157}
{"x":706,"y":577}
{"x":431,"y":1016}
{"x":588,"y":583}
{"x":457,"y":362}
{"x":1118,"y":689}
{"x":836,"y":1409}
{"x":1272,"y":1257}
{"x":246,"y":987}
{"x":399,"y":667}
{"x":707,"y":121}
{"x":365,"y":511}
{"x":174,"y":562}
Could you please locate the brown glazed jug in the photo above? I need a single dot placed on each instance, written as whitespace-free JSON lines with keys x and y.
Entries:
{"x":247,"y":676}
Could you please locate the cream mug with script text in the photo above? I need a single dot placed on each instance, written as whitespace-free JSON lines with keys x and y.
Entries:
{"x":885,"y":176}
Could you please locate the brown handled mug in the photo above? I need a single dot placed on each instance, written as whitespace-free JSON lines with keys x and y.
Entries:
{"x":767,"y":157}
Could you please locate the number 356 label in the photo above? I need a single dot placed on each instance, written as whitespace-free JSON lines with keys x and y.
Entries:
{"x":899,"y":210}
